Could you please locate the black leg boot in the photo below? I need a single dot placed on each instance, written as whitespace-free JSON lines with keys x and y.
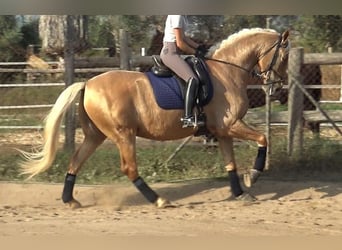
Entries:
{"x":189,"y":102}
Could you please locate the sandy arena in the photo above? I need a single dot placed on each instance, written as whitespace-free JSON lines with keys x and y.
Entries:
{"x":284,"y":208}
{"x":203,"y":207}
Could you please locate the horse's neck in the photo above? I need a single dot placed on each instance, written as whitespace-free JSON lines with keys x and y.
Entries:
{"x":237,"y":64}
{"x":242,"y":55}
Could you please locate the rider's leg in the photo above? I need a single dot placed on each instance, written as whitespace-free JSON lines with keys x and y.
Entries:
{"x":173,"y":60}
{"x":170,"y":57}
{"x":189,"y":102}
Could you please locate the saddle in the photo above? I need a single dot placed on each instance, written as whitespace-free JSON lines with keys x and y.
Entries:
{"x":200,"y":69}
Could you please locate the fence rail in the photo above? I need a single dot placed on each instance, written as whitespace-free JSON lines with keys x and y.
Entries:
{"x":27,"y":71}
{"x":16,"y":85}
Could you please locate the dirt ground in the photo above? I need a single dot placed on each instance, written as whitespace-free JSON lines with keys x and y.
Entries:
{"x":203,"y":208}
{"x":296,"y":207}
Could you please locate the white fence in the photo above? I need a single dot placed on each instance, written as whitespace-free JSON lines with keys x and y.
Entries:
{"x":279,"y":118}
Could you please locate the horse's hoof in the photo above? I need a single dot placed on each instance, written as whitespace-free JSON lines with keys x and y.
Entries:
{"x":251,"y":177}
{"x":246,"y":197}
{"x":74,"y":204}
{"x":163,"y":203}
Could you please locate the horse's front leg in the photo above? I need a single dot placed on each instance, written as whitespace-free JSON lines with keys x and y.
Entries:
{"x":127,"y":148}
{"x":242,"y":131}
{"x":226,"y":147}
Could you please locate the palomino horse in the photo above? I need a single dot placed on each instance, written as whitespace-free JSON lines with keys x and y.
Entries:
{"x":120,"y":105}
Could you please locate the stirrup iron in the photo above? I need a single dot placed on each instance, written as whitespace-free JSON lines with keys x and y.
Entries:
{"x":192,"y":121}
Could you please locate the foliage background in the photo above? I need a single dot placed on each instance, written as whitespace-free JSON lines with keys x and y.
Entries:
{"x":314,"y":32}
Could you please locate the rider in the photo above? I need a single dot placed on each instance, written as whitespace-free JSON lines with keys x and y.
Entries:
{"x":176,"y":42}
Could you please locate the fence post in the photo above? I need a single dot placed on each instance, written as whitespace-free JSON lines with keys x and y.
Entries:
{"x":295,"y":102}
{"x":124,"y":51}
{"x":29,"y":53}
{"x":268,"y":113}
{"x":268,"y":126}
{"x":70,"y":119}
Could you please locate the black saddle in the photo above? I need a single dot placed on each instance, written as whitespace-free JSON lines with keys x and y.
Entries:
{"x":198,"y":66}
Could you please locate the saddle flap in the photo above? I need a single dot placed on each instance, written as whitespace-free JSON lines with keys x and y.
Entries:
{"x":201,"y":70}
{"x":199,"y":67}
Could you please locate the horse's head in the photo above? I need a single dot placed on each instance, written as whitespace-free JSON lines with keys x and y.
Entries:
{"x":257,"y":52}
{"x":272,"y":64}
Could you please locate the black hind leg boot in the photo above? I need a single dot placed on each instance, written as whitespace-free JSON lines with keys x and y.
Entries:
{"x":68,"y":188}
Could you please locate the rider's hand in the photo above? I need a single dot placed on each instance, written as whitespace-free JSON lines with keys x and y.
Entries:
{"x":201,"y":51}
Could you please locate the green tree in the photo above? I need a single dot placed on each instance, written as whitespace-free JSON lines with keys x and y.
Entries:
{"x":206,"y":28}
{"x":30,"y":33}
{"x":102,"y":30}
{"x":10,"y":37}
{"x":317,"y":32}
{"x":236,"y":23}
{"x":141,"y":29}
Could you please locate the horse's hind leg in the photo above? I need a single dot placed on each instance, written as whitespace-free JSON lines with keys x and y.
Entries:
{"x":93,"y":138}
{"x":88,"y":147}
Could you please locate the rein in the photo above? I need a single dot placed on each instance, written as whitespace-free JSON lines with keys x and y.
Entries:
{"x":229,"y":63}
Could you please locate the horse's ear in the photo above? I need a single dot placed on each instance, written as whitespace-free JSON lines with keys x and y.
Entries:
{"x":285,"y":35}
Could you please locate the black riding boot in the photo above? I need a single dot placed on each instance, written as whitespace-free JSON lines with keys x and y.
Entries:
{"x":190,"y":96}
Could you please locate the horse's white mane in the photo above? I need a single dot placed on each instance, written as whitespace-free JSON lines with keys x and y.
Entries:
{"x":232,"y":38}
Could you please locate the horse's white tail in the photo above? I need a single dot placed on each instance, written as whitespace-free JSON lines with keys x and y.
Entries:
{"x":40,"y":161}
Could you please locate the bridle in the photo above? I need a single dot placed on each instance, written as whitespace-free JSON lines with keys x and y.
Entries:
{"x":264,"y":75}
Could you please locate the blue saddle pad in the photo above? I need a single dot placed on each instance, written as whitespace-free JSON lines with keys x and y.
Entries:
{"x":167,"y":91}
